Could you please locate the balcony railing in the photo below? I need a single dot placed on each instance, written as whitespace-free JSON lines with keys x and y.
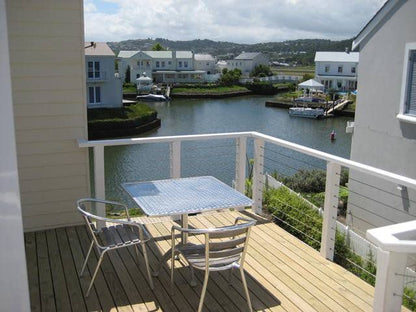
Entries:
{"x":97,"y":76}
{"x":267,"y":151}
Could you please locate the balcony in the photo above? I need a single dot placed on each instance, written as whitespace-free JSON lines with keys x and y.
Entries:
{"x":284,"y":274}
{"x":97,"y":76}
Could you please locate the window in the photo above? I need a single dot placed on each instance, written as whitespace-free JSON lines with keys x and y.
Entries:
{"x":157,"y":64}
{"x":353,"y":70}
{"x":327,"y":68}
{"x":169,"y":63}
{"x":94,"y":95}
{"x":180,"y":64}
{"x":93,"y":70}
{"x":163,"y":63}
{"x":408,"y":94}
{"x":340,"y":69}
{"x":185,"y":64}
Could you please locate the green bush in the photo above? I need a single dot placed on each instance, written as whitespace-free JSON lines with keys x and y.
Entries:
{"x":123,"y":117}
{"x":262,"y":87}
{"x":307,"y":181}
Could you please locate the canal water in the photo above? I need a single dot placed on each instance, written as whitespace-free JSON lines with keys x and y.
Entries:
{"x":217,"y":158}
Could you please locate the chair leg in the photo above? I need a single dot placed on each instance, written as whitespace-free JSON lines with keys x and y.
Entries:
{"x":172,"y":269}
{"x":86,"y":258}
{"x":243,"y":278}
{"x":146,"y":260}
{"x":193,"y":280}
{"x":95,"y":274}
{"x":204,"y":290}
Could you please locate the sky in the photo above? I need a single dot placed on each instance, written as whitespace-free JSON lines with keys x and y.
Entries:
{"x":239,"y":21}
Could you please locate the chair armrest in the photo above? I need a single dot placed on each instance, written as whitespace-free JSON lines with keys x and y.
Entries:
{"x":104,"y":201}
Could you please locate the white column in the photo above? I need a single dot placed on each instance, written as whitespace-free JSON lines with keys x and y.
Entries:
{"x":175,"y":159}
{"x":258,"y":176}
{"x":14,"y":295}
{"x":333,"y":174}
{"x":240,"y":164}
{"x":389,"y":281}
{"x":99,"y":180}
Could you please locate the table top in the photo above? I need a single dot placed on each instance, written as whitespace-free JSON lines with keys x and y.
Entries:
{"x":184,"y":196}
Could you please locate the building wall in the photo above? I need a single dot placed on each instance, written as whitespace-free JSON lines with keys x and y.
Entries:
{"x":379,"y":138}
{"x":111,"y":87}
{"x":48,"y":87}
{"x":208,"y":66}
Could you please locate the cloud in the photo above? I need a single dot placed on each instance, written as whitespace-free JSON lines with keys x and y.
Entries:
{"x":227,"y":20}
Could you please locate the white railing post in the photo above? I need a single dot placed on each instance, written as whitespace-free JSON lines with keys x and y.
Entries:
{"x":99,"y":181}
{"x":240,"y":164}
{"x":258,"y":176}
{"x":389,"y":281}
{"x":333,"y":175}
{"x":175,"y":159}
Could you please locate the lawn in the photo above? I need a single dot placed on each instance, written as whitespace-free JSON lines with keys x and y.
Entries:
{"x":208,"y":90}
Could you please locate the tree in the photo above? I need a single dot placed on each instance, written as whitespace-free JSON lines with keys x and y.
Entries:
{"x":230,"y":77}
{"x":127,"y":79}
{"x":158,"y":47}
{"x":261,"y":71}
{"x":307,"y":77}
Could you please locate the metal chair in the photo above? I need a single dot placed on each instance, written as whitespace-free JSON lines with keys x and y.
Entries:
{"x":125,"y":233}
{"x":224,"y":248}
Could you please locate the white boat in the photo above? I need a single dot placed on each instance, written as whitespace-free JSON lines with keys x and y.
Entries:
{"x":152,"y":97}
{"x":306,"y":112}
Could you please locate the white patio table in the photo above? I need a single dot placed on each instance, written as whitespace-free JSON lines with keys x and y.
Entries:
{"x":184,"y":196}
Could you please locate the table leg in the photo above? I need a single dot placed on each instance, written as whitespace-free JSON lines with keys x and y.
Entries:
{"x":184,"y":224}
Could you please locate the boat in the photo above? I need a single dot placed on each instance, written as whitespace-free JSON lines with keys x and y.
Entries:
{"x":152,"y":97}
{"x":306,"y":112}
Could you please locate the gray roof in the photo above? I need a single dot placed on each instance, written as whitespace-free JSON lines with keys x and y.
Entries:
{"x":247,"y":55}
{"x":98,"y":49}
{"x":204,"y":57}
{"x":337,"y":57}
{"x":389,"y":7}
{"x":127,"y":54}
{"x":159,"y":54}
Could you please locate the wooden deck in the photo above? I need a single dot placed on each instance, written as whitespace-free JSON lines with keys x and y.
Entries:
{"x":283,"y":274}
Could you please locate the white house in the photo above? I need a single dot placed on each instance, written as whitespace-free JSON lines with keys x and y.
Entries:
{"x":247,"y":61}
{"x":161,"y":66}
{"x":385,"y":119}
{"x":337,"y":70}
{"x":205,"y":62}
{"x":104,"y":88}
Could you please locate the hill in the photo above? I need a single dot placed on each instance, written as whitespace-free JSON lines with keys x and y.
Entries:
{"x":301,"y":51}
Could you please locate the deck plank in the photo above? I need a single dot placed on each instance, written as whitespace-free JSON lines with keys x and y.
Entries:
{"x":47,"y":296}
{"x":32,"y":271}
{"x":59,"y":282}
{"x":72,"y":282}
{"x":92,"y":302}
{"x":283,"y":274}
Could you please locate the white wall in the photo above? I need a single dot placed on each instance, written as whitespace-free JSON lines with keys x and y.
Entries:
{"x":14,"y":292}
{"x":379,"y":138}
{"x":46,"y":40}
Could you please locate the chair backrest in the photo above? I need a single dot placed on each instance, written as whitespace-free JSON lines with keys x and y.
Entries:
{"x":227,"y":245}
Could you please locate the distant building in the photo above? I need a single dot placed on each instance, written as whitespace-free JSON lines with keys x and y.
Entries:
{"x":337,"y":70}
{"x":104,"y":88}
{"x":162,"y":66}
{"x":385,"y":118}
{"x":247,"y":61}
{"x":205,"y":62}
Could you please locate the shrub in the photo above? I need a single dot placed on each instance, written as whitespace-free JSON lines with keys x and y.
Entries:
{"x":262,"y":87}
{"x":307,"y":181}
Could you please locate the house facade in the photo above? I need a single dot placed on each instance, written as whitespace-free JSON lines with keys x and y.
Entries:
{"x":247,"y":61}
{"x":337,"y":70}
{"x":385,"y":119}
{"x":104,"y":87}
{"x":161,"y":66}
{"x":43,"y":113}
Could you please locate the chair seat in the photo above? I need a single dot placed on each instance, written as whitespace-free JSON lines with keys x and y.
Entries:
{"x":120,"y":236}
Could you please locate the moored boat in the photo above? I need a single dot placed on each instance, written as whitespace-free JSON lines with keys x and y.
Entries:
{"x":152,"y":97}
{"x":306,"y":112}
